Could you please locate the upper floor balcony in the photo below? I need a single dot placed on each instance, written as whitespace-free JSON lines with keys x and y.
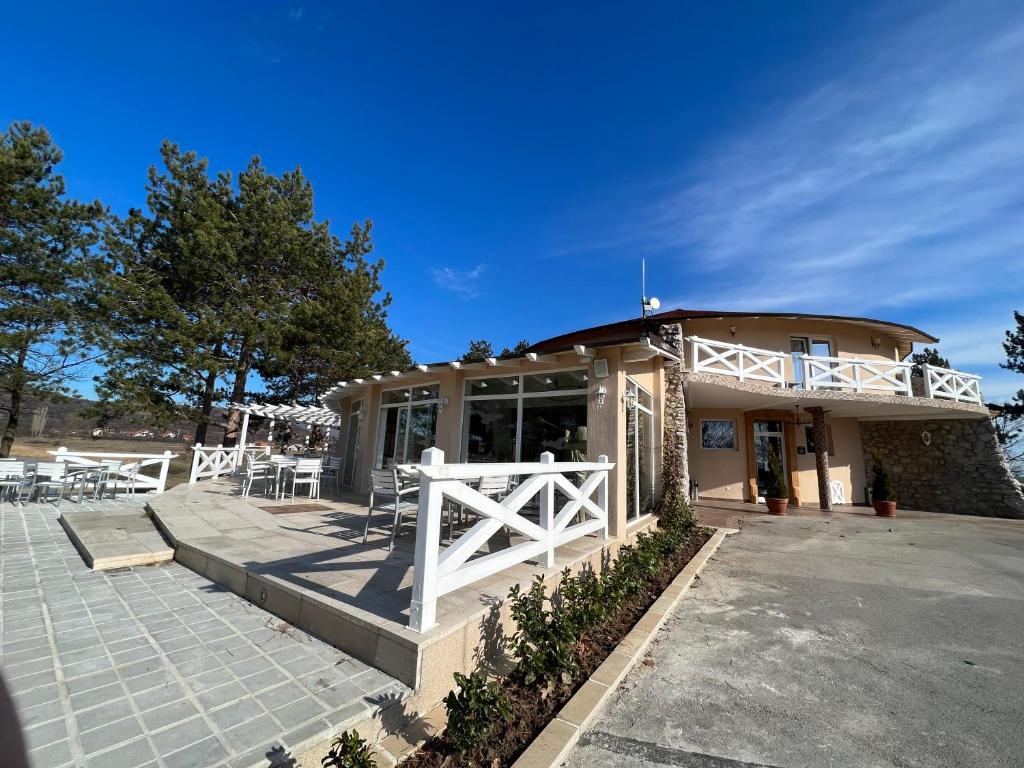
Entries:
{"x":798,"y":370}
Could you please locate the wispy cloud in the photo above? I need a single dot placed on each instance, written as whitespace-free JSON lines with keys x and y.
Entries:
{"x":894,"y":184}
{"x":464,"y":283}
{"x":296,"y":14}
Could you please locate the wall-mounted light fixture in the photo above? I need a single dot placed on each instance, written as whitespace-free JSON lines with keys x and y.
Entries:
{"x":629,"y":399}
{"x":601,"y":393}
{"x":732,"y":331}
{"x":876,"y":342}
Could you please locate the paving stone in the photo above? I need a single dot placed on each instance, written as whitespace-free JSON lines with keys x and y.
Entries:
{"x":108,"y":713}
{"x":206,"y":752}
{"x":148,"y":680}
{"x":298,"y":712}
{"x":169,"y":714}
{"x":236,"y":713}
{"x":131,"y":755}
{"x":110,"y":735}
{"x":96,"y":696}
{"x":51,"y":756}
{"x":155,"y":697}
{"x":47,"y":733}
{"x":177,"y":736}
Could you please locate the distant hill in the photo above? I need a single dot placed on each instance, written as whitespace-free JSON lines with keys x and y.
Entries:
{"x":66,"y":418}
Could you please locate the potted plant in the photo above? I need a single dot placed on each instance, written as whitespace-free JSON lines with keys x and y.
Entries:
{"x":883,"y":493}
{"x":776,"y":492}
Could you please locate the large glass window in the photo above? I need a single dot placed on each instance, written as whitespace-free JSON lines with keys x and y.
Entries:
{"x":718,"y":434}
{"x":639,"y":451}
{"x":408,"y":424}
{"x":517,"y":418}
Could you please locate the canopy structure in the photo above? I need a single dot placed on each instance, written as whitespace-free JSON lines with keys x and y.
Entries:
{"x":303,"y":414}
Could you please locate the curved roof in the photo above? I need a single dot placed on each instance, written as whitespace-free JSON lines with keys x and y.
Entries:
{"x":630,"y":330}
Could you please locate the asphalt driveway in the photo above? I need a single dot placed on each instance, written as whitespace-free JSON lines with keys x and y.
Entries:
{"x":846,"y":640}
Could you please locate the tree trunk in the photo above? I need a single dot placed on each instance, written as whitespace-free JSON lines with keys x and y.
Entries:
{"x":234,"y":426}
{"x":14,"y":409}
{"x":821,"y":456}
{"x":207,"y":405}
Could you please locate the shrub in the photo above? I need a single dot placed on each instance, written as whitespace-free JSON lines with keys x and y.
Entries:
{"x":474,"y":710}
{"x":776,"y":487}
{"x":349,"y":751}
{"x":542,"y":643}
{"x":882,"y":488}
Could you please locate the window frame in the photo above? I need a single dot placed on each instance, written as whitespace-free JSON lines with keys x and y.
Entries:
{"x":631,"y":382}
{"x":735,"y":436}
{"x":519,"y":395}
{"x":382,"y":408}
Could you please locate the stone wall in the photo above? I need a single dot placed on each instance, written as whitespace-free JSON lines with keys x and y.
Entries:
{"x":956,"y":468}
{"x":675,"y":417}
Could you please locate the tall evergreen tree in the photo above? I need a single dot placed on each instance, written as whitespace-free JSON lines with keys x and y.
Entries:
{"x":226,"y":279}
{"x":339,"y":330}
{"x":47,"y":325}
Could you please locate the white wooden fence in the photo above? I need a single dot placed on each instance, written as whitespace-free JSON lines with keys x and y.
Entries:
{"x":858,"y":375}
{"x":215,"y":462}
{"x":737,"y":361}
{"x":439,"y":571}
{"x":951,"y":385}
{"x":155,"y":482}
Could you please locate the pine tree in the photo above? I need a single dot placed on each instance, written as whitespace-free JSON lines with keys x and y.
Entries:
{"x":47,"y":323}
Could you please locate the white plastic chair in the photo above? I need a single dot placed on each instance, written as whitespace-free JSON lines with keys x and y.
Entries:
{"x":306,"y":472}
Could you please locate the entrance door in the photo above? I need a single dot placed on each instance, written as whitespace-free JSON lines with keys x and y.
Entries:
{"x":769,"y":437}
{"x":351,"y":444}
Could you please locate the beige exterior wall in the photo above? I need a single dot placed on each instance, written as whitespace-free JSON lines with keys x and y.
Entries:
{"x":719,"y":474}
{"x":845,"y":463}
{"x":724,"y":474}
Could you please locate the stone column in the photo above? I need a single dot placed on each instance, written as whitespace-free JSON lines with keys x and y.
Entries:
{"x":821,"y":456}
{"x":676,"y":459}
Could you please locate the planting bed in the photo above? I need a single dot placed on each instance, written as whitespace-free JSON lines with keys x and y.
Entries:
{"x":532,"y":709}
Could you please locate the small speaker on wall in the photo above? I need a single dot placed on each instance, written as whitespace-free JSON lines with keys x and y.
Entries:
{"x":601,"y":368}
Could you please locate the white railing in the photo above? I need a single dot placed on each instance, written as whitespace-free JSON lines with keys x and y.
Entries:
{"x":951,"y":385}
{"x":737,"y":361}
{"x":858,"y":375}
{"x":439,"y":571}
{"x":215,"y":462}
{"x":129,"y":461}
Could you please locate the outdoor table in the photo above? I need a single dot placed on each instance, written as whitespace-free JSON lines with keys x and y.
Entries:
{"x":83,"y":473}
{"x":279,"y":463}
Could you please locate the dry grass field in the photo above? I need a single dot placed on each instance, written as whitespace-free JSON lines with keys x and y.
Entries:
{"x":37,"y":447}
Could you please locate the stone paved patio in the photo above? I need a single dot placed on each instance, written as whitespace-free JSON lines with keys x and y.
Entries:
{"x":157,"y":666}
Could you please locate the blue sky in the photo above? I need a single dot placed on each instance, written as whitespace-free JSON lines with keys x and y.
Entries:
{"x":519,"y":159}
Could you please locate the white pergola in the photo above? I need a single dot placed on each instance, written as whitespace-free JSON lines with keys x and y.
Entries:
{"x":303,"y":414}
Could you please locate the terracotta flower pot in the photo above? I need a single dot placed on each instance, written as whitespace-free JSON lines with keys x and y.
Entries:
{"x":777,"y":506}
{"x":884,"y":508}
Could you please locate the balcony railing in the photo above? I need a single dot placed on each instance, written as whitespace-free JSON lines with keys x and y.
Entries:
{"x":858,"y":375}
{"x":743,"y":363}
{"x":835,"y":373}
{"x":950,"y":384}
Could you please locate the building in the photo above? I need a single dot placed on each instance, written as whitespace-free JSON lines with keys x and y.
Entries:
{"x":752,"y":383}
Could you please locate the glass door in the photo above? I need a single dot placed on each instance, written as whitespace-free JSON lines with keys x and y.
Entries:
{"x":799,"y":346}
{"x":408,"y":424}
{"x":352,"y":443}
{"x":639,"y":451}
{"x":769,"y":438}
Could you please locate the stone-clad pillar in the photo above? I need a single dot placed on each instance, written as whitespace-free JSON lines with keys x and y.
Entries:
{"x":821,"y":456}
{"x":675,"y":418}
